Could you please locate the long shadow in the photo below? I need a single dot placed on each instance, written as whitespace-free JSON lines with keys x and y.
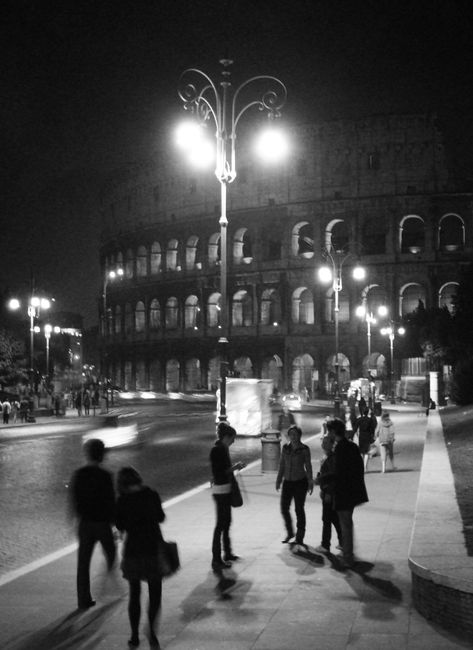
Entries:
{"x":77,"y":629}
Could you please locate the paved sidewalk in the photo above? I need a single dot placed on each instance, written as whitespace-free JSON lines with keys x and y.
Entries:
{"x":280,"y":601}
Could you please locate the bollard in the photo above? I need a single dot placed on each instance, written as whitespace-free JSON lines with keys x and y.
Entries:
{"x":270,"y":450}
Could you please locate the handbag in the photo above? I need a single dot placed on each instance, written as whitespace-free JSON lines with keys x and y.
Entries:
{"x":168,"y":558}
{"x":236,"y":500}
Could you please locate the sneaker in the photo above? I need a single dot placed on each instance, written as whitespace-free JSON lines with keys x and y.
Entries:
{"x":218,"y":565}
{"x":287,"y":539}
{"x":322,"y":549}
{"x":232,"y":558}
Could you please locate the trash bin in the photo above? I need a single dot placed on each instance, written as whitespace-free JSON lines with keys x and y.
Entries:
{"x":270,"y":451}
{"x":377,"y":408}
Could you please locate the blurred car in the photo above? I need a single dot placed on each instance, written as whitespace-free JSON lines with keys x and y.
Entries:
{"x":115,"y":431}
{"x":291,"y":401}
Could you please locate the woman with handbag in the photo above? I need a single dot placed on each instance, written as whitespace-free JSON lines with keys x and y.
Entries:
{"x":385,"y":437}
{"x":222,"y":477}
{"x":139,"y":513}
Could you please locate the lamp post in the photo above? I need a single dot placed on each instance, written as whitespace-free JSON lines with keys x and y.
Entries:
{"x":391,"y":332}
{"x":333,"y":273}
{"x":35,"y":304}
{"x":109,"y":276}
{"x":218,"y":102}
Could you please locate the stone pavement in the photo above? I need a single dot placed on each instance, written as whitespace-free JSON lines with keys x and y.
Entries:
{"x":280,"y":601}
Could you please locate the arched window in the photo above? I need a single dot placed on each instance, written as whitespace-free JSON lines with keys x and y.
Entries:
{"x":270,"y":307}
{"x":213,"y":310}
{"x":337,"y":235}
{"x":214,"y":248}
{"x":451,"y":235}
{"x":172,"y":375}
{"x":129,"y":320}
{"x":129,"y":263}
{"x":372,"y":298}
{"x":302,"y":306}
{"x":242,"y":248}
{"x":192,"y":260}
{"x":140,"y":319}
{"x":155,"y":315}
{"x":118,"y":319}
{"x":242,"y":309}
{"x":191,"y":313}
{"x":172,"y":313}
{"x":447,"y":296}
{"x":343,"y":306}
{"x":412,"y":296}
{"x":302,"y":368}
{"x":192,"y":374}
{"x":302,"y":240}
{"x":141,"y":262}
{"x":172,"y":263}
{"x":155,"y":258}
{"x":412,"y":234}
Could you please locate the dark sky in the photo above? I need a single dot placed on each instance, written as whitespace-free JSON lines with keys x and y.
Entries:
{"x":89,"y":86}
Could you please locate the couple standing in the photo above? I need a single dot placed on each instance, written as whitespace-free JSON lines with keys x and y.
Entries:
{"x":343,"y":486}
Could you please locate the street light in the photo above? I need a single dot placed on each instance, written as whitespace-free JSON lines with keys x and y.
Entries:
{"x":209,"y":101}
{"x":370,"y":319}
{"x":391,"y":332}
{"x":109,"y":276}
{"x":35,"y":305}
{"x":333,"y":273}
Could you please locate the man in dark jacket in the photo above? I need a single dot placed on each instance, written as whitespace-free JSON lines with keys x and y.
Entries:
{"x":349,"y":489}
{"x":93,"y":503}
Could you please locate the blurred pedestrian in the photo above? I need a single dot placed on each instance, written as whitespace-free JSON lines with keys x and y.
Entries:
{"x":15,"y":409}
{"x":349,"y":486}
{"x":93,"y":503}
{"x":286,"y":419}
{"x":222,"y":471}
{"x":86,"y":403}
{"x":365,"y":428}
{"x":139,"y":513}
{"x":6,"y":409}
{"x":78,"y":403}
{"x":326,"y":480}
{"x":24,"y":406}
{"x":385,"y":436}
{"x":295,"y":475}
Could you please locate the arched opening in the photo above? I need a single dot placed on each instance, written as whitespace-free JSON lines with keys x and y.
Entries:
{"x":172,"y":313}
{"x":155,"y":258}
{"x":412,"y":296}
{"x":447,"y":296}
{"x":213,"y":310}
{"x":172,"y":262}
{"x":302,"y":240}
{"x":272,"y":369}
{"x":140,"y":319}
{"x":141,"y":262}
{"x":214,"y":373}
{"x":270,"y":307}
{"x":192,"y":374}
{"x":302,"y":369}
{"x":243,"y":368}
{"x":193,"y":259}
{"x":451,"y":233}
{"x":242,"y":309}
{"x":129,"y":384}
{"x":155,"y":315}
{"x":129,"y":320}
{"x":172,"y":375}
{"x":337,"y":235}
{"x":141,"y":383}
{"x":155,"y":375}
{"x":129,"y":263}
{"x":242,"y":247}
{"x":191,"y":313}
{"x":302,"y":306}
{"x":331,"y":372}
{"x":412,"y":234}
{"x":214,"y":249}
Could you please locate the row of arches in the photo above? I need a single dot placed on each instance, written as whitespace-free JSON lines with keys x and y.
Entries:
{"x":195,"y":374}
{"x":195,"y":253}
{"x":171,"y":313}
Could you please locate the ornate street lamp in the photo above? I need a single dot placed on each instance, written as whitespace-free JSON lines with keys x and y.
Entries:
{"x":220,"y":104}
{"x":35,"y":305}
{"x":333,"y":273}
{"x":391,"y":331}
{"x":109,"y":277}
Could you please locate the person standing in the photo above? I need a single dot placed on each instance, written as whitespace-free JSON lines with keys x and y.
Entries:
{"x":93,"y":503}
{"x":6,"y":408}
{"x":365,"y":428}
{"x":385,"y":436}
{"x":139,"y":513}
{"x":295,"y":475}
{"x":15,"y":408}
{"x":326,"y":480}
{"x":222,"y":470}
{"x":349,"y":486}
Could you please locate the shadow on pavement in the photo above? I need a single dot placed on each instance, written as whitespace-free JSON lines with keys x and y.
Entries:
{"x":77,"y":629}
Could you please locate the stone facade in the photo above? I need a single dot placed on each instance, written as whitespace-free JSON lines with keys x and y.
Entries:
{"x":380,"y":188}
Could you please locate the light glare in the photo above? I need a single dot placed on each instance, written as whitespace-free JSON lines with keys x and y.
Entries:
{"x":359,"y":273}
{"x":272,"y":145}
{"x":325,"y":274}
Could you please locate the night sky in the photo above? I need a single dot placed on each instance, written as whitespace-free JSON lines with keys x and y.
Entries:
{"x":88,"y":86}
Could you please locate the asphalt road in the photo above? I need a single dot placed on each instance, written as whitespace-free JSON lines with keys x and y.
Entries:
{"x":35,"y":471}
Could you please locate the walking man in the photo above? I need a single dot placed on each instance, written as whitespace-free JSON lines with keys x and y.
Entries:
{"x":93,"y":502}
{"x":349,"y":489}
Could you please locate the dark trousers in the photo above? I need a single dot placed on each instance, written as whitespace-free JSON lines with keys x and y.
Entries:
{"x":222,"y":527}
{"x":91,"y":532}
{"x":155,"y":588}
{"x":296,"y":490}
{"x":329,"y":519}
{"x":346,"y":524}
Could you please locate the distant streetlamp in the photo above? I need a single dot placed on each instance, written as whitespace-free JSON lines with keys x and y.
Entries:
{"x":391,"y":331}
{"x":35,"y":305}
{"x":110,"y":276}
{"x":370,"y":319}
{"x":208,"y":100}
{"x":333,"y":273}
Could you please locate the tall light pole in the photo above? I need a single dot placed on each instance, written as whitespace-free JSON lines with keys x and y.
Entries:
{"x":391,"y":332}
{"x":35,"y":305}
{"x":109,"y":276}
{"x":333,"y":273}
{"x":220,"y":104}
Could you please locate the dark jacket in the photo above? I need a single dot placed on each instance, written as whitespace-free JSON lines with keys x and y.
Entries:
{"x":92,"y":494}
{"x":220,"y":463}
{"x":365,"y":427}
{"x":350,"y":489}
{"x":326,"y":476}
{"x":139,"y":514}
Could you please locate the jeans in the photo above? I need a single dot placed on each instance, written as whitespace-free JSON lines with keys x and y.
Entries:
{"x":296,"y":490}
{"x":346,"y":524}
{"x":91,"y":532}
{"x":222,"y":527}
{"x":329,"y":518}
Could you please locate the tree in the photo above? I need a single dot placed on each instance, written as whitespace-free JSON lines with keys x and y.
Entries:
{"x":12,"y":360}
{"x":429,"y":334}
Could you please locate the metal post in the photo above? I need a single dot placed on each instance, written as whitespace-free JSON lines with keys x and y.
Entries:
{"x":391,"y":342}
{"x":223,"y":340}
{"x":31,"y":314}
{"x":336,"y":401}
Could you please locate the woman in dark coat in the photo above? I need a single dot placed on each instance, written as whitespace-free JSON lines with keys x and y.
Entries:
{"x":139,"y":513}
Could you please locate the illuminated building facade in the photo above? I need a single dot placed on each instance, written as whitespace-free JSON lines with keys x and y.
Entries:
{"x":380,"y":187}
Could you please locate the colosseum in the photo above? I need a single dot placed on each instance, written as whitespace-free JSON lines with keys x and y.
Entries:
{"x":380,"y":189}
